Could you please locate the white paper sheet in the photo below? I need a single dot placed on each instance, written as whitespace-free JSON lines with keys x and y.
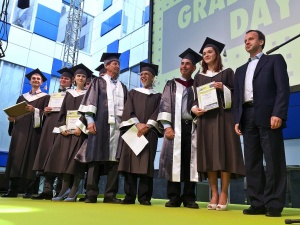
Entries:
{"x":137,"y":144}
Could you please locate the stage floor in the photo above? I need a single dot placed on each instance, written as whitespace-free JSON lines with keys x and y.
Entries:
{"x":19,"y":211}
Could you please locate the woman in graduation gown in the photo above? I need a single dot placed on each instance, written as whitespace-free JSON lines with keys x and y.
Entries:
{"x":219,"y":153}
{"x":61,"y":159}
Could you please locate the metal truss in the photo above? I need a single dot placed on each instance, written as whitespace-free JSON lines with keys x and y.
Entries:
{"x":72,"y":35}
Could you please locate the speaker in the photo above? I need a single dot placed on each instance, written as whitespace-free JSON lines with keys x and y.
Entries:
{"x":23,"y":4}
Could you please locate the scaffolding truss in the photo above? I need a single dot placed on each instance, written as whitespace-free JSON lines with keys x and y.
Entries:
{"x":72,"y":35}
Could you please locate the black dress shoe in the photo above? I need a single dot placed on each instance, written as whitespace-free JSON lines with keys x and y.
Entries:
{"x":172,"y":204}
{"x":82,"y":199}
{"x":191,"y":204}
{"x":42,"y":196}
{"x":113,"y":200}
{"x":27,"y":195}
{"x":91,"y":199}
{"x":252,"y":210}
{"x":273,"y":212}
{"x":127,"y":202}
{"x":145,"y":202}
{"x":10,"y":194}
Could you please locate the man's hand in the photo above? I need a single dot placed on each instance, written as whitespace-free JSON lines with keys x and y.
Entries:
{"x":29,"y":108}
{"x":65,"y":133}
{"x":142,"y":129}
{"x":92,"y":128}
{"x":197,"y":111}
{"x":237,"y":129}
{"x":276,"y":122}
{"x":169,"y":133}
{"x":77,"y":132}
{"x":11,"y":119}
{"x":47,"y":110}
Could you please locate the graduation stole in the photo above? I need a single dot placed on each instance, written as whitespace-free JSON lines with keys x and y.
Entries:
{"x":187,"y":84}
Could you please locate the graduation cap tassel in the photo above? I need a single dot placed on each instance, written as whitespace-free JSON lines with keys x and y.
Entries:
{"x":225,"y":53}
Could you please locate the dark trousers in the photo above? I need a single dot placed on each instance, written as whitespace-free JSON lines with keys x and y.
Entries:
{"x":49,"y":184}
{"x":264,"y":187}
{"x":93,"y":176}
{"x":145,"y":188}
{"x":174,"y":188}
{"x":16,"y":183}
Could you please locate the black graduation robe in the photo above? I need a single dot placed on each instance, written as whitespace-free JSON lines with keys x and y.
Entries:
{"x":141,"y":107}
{"x":218,"y":146}
{"x":61,"y":158}
{"x":170,"y":110}
{"x":25,"y":136}
{"x":96,"y":103}
{"x":47,"y":139}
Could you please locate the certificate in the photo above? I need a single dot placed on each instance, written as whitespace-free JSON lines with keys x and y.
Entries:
{"x":56,"y":101}
{"x":207,"y":96}
{"x":137,"y":144}
{"x":72,"y":117}
{"x":16,"y":110}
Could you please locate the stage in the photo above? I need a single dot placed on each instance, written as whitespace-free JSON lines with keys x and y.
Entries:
{"x":19,"y":211}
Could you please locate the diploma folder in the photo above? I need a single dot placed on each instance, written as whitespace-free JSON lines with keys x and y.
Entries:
{"x":16,"y":110}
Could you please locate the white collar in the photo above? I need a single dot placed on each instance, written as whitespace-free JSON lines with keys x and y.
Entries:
{"x":210,"y":73}
{"x":146,"y":91}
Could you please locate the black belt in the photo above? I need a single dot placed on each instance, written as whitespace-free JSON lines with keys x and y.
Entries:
{"x":186,"y":121}
{"x":248,"y":104}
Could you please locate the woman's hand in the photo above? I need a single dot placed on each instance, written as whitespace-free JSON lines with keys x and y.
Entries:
{"x":197,"y":111}
{"x":218,"y":85}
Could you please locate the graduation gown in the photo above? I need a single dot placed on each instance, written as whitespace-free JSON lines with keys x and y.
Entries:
{"x":61,"y":157}
{"x":99,"y":102}
{"x":218,"y":146}
{"x":141,"y":107}
{"x":170,"y":110}
{"x":47,"y":139}
{"x":25,"y":136}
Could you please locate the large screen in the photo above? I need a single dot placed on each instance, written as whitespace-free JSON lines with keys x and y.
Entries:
{"x":180,"y":24}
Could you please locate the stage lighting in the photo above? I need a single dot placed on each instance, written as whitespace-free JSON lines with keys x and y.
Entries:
{"x":23,"y":4}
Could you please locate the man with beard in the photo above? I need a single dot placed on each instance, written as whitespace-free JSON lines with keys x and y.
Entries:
{"x":141,"y":110}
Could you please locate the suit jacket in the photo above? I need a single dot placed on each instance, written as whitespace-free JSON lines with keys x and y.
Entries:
{"x":271,"y":90}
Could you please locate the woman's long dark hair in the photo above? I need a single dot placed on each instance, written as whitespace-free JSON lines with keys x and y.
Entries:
{"x":218,"y":63}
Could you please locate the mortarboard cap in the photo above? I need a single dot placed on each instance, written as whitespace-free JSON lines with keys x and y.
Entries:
{"x":101,"y":69}
{"x":212,"y":43}
{"x":81,"y":69}
{"x":36,"y":71}
{"x":109,"y":57}
{"x":66,"y":72}
{"x":191,"y":55}
{"x":92,"y":77}
{"x":152,"y":68}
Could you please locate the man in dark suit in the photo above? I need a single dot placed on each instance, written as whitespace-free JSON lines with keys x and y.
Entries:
{"x":261,"y":99}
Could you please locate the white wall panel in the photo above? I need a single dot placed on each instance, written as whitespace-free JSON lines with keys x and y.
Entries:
{"x":16,"y":32}
{"x":41,"y":61}
{"x":42,"y":45}
{"x":137,"y":37}
{"x":124,"y":43}
{"x":106,"y":39}
{"x":136,"y":55}
{"x":16,"y":54}
{"x":93,"y":7}
{"x":58,"y":52}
